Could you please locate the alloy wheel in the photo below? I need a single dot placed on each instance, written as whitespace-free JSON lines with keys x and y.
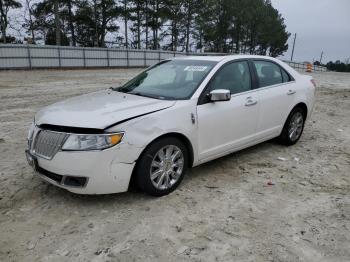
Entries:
{"x":166,"y":167}
{"x":296,"y":126}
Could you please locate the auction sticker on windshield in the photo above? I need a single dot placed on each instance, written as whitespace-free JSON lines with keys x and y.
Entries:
{"x":195,"y":68}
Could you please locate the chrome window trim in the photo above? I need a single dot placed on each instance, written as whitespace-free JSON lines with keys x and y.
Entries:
{"x":272,"y":86}
{"x":260,"y":88}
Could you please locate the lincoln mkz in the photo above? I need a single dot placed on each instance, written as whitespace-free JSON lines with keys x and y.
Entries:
{"x":175,"y":115}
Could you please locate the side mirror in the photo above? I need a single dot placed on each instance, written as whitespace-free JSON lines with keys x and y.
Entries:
{"x":220,"y":95}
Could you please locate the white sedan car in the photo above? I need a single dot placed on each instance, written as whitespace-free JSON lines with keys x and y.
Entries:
{"x":176,"y":114}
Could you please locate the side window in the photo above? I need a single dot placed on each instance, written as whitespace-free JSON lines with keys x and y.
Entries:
{"x":234,"y":77}
{"x":268,"y":73}
{"x":285,"y":76}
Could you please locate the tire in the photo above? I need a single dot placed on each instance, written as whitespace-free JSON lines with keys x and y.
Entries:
{"x":162,"y":166}
{"x":293,"y":127}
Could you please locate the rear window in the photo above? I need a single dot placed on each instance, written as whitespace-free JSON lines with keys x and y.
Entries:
{"x":268,"y":73}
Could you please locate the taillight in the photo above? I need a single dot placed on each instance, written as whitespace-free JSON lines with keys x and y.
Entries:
{"x":313,"y":82}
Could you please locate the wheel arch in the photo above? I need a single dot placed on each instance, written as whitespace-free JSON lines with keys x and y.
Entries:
{"x":282,"y":137}
{"x":184,"y":139}
{"x":303,"y":106}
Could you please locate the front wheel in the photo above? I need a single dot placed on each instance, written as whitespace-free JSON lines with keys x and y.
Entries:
{"x":162,"y":166}
{"x":293,"y":128}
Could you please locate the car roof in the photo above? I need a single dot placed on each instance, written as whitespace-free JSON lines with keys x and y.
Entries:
{"x":201,"y":57}
{"x":220,"y":58}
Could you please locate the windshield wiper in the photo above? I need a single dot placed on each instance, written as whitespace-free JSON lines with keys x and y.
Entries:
{"x":119,"y":89}
{"x":145,"y":95}
{"x":125,"y":90}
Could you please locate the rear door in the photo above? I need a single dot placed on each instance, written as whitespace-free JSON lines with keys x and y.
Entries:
{"x":226,"y":125}
{"x":276,"y":91}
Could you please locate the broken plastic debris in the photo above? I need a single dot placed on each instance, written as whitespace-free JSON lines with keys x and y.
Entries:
{"x":340,"y":130}
{"x":281,"y":158}
{"x":269,"y":183}
{"x":296,"y":159}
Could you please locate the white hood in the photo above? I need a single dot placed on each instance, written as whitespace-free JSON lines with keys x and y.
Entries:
{"x":99,"y":109}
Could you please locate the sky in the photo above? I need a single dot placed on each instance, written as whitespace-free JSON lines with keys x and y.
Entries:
{"x":321,"y":25}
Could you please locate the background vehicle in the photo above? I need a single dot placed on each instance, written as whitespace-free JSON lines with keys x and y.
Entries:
{"x":177,"y":114}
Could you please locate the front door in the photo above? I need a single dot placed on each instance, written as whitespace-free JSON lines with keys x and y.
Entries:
{"x":227,"y":125}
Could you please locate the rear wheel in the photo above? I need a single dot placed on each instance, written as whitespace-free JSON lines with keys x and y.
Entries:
{"x":162,"y":166}
{"x":293,"y":128}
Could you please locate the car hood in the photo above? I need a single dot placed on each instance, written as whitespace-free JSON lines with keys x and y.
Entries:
{"x":99,"y":109}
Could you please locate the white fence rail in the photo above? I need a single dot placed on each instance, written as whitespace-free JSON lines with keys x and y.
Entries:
{"x":303,"y":66}
{"x":37,"y":56}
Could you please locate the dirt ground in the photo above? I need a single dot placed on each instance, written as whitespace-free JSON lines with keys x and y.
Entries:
{"x":223,"y":211}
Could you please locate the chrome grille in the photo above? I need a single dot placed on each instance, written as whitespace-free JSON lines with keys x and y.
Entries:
{"x":47,"y":143}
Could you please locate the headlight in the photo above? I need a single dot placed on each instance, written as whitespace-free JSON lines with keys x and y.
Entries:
{"x":31,"y":131}
{"x":30,"y":135}
{"x":92,"y":142}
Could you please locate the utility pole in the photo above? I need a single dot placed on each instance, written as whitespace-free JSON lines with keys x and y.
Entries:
{"x":321,"y":58}
{"x":96,"y":30}
{"x":295,"y":37}
{"x":126,"y":23}
{"x":57,"y":23}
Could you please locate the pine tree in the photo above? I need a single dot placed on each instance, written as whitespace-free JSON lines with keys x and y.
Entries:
{"x":5,"y":6}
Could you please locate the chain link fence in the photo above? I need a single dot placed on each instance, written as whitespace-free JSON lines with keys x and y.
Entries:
{"x":17,"y":56}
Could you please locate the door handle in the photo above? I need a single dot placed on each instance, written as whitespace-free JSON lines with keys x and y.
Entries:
{"x":251,"y":102}
{"x":291,"y":92}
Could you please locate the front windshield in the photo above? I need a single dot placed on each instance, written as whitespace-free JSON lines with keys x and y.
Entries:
{"x":174,"y":79}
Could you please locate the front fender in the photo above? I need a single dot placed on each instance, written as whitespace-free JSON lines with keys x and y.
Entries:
{"x":140,"y":132}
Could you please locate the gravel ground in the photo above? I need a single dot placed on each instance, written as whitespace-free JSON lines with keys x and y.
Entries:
{"x":223,"y":211}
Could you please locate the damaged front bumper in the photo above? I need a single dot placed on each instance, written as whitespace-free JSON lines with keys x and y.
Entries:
{"x":87,"y":172}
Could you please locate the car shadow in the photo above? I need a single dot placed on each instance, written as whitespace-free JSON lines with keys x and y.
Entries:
{"x":134,"y":195}
{"x":240,"y":157}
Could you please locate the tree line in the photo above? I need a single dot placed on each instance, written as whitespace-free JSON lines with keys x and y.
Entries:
{"x":232,"y":26}
{"x":339,"y":66}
